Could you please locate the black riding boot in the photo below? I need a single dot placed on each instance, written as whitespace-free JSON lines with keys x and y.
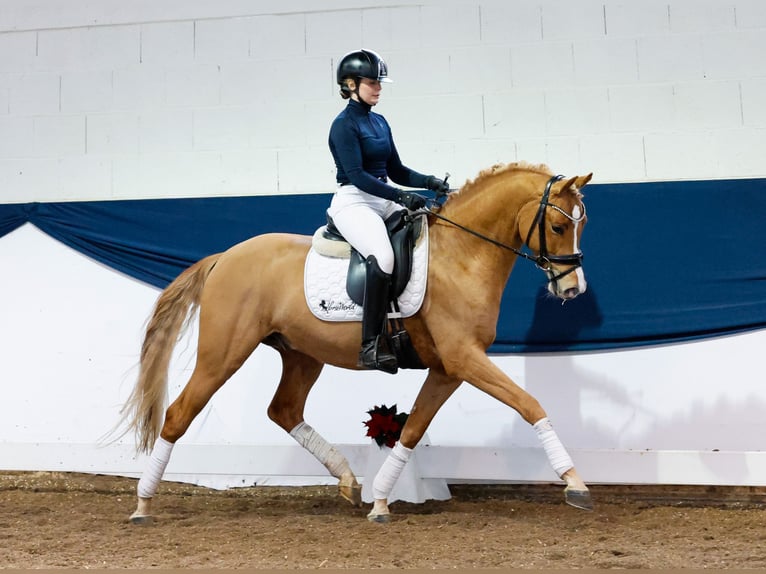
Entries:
{"x":374,"y":354}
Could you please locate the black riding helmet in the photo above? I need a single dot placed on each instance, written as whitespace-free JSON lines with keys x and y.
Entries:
{"x":361,"y":64}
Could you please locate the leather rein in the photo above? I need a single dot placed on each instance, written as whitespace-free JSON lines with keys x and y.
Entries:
{"x":543,"y":259}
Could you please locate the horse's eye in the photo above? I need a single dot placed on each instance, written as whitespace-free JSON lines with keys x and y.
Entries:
{"x":557,"y":229}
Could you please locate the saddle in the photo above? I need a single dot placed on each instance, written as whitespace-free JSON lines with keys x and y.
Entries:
{"x":403,"y":231}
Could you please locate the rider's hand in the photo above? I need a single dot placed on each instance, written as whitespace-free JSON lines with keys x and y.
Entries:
{"x":435,"y":184}
{"x":411,"y":201}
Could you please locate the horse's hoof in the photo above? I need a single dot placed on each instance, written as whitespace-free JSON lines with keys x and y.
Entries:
{"x":352,"y":493}
{"x":141,"y":520}
{"x":379,"y":518}
{"x":578,"y":498}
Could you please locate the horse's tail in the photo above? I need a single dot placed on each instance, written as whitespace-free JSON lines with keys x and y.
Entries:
{"x":175,"y":308}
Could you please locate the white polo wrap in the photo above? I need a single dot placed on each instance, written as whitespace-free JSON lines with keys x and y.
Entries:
{"x":557,"y":454}
{"x":324,"y":452}
{"x":155,"y":468}
{"x":390,"y":470}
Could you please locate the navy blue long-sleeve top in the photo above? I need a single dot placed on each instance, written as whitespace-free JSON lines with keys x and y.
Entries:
{"x":365,"y":155}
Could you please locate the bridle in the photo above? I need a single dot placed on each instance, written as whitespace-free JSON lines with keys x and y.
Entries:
{"x":543,"y":259}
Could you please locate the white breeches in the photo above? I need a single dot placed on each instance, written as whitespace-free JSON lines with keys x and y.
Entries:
{"x":359,"y":217}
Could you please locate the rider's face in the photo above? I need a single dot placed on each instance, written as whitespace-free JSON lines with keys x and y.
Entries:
{"x":369,"y":91}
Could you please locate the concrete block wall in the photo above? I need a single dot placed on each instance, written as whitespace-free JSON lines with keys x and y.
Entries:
{"x":191,"y":98}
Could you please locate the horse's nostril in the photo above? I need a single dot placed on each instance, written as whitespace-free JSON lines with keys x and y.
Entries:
{"x":571,"y":293}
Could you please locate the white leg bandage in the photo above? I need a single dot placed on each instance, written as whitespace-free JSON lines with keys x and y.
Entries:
{"x":324,"y":452}
{"x":557,"y":454}
{"x":155,"y":468}
{"x":390,"y":471}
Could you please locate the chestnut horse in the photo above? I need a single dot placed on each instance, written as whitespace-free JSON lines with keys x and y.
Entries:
{"x":253,"y":293}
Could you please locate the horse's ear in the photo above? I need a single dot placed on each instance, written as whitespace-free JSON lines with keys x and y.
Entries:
{"x":583,"y":180}
{"x":568,"y":183}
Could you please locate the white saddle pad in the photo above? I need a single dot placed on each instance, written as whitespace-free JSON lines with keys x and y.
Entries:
{"x":324,"y":283}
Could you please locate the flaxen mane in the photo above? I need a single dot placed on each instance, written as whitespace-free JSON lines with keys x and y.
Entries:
{"x":501,"y":168}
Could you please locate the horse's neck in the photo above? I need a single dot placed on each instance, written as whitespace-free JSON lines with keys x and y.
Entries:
{"x":492,"y":211}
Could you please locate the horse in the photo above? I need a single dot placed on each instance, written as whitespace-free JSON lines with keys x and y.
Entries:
{"x":252,"y":294}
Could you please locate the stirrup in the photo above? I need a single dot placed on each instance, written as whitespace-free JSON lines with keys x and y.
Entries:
{"x":374,"y":356}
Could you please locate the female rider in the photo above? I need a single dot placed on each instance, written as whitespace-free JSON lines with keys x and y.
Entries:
{"x":366,"y":159}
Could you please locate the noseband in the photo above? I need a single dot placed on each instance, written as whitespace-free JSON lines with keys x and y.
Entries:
{"x":543,"y":259}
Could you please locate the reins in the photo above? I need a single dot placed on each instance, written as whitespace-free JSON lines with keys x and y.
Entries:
{"x":543,"y":259}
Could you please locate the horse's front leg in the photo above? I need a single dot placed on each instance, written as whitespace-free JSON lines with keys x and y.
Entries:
{"x":436,"y":389}
{"x":299,"y":373}
{"x":473,"y":366}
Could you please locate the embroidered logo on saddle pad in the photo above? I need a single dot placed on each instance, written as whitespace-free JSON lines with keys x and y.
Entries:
{"x":325,"y":280}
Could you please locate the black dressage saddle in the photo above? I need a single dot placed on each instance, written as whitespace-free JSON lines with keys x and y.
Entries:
{"x":403,"y":230}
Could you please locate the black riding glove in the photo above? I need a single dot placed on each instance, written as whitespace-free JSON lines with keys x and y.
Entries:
{"x":435,"y":184}
{"x":411,"y":201}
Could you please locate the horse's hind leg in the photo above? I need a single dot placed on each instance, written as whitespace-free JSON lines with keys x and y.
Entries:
{"x":436,"y":389}
{"x":223,"y":348}
{"x":179,"y":415}
{"x":299,"y":373}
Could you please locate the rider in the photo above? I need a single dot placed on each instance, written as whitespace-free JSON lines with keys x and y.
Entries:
{"x":366,"y":158}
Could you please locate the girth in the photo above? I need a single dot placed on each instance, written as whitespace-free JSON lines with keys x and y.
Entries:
{"x":403,"y":231}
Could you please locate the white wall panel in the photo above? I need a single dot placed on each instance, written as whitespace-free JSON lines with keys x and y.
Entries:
{"x":668,"y":155}
{"x":578,"y":111}
{"x":691,"y":16}
{"x":573,"y":20}
{"x":4,"y":100}
{"x":167,"y":43}
{"x":641,"y":108}
{"x":166,"y":130}
{"x":59,"y":136}
{"x":113,"y":133}
{"x":605,"y":61}
{"x":223,"y":128}
{"x":395,"y":28}
{"x":511,"y":21}
{"x":707,"y":105}
{"x":447,"y":24}
{"x":516,"y":114}
{"x":281,"y":36}
{"x":87,"y":91}
{"x":217,"y":41}
{"x":166,"y":174}
{"x":545,"y":65}
{"x":17,"y":51}
{"x":484,"y":69}
{"x":741,"y":151}
{"x":23,"y":178}
{"x":649,"y":17}
{"x":17,"y":137}
{"x":84,"y":177}
{"x":753,"y":98}
{"x":750,"y":14}
{"x":139,"y":87}
{"x":294,"y":164}
{"x":88,"y":48}
{"x":670,"y":58}
{"x":462,"y":71}
{"x":245,"y":172}
{"x":193,"y":85}
{"x":34,"y":93}
{"x":735,"y":54}
{"x":333,"y":33}
{"x":614,"y":156}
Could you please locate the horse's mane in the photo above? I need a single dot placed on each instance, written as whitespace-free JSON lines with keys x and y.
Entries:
{"x":499,"y":168}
